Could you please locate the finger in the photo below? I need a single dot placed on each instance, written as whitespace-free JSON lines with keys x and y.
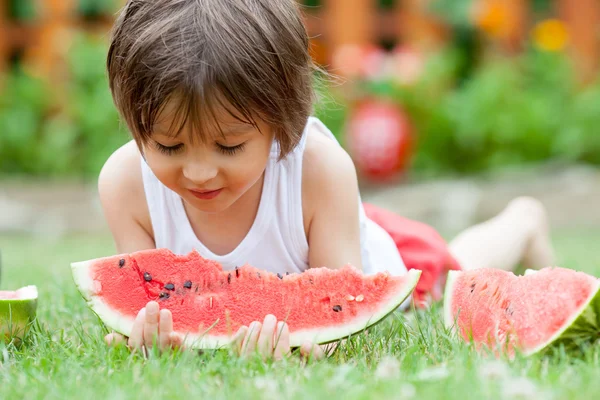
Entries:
{"x":281,"y":340}
{"x":165,"y":328}
{"x":265,"y":339}
{"x":114,"y":339}
{"x":238,"y":339}
{"x":151,"y":323}
{"x":249,"y":344}
{"x":177,"y":340}
{"x":311,"y":351}
{"x":136,"y":339}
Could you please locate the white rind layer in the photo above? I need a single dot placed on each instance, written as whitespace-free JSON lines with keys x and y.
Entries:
{"x":27,"y":293}
{"x":87,"y":288}
{"x":448,"y":315}
{"x":123,"y":325}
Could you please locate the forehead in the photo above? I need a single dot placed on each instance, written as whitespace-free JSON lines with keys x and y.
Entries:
{"x":174,"y":119}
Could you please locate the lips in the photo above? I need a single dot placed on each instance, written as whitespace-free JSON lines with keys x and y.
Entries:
{"x":206,"y":194}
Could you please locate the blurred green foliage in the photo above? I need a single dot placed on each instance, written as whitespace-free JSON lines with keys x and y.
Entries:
{"x":509,"y":112}
{"x":40,"y":139}
{"x":504,"y":112}
{"x":97,"y":8}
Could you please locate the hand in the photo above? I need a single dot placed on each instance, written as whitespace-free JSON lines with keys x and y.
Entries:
{"x":270,"y":339}
{"x":151,"y":326}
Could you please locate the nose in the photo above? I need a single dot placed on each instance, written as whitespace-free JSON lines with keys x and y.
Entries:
{"x":199,"y":171}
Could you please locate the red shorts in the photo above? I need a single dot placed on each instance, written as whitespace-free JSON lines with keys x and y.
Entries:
{"x":420,"y":247}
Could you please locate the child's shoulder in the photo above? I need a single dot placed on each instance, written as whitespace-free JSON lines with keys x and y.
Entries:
{"x":121,"y":188}
{"x":324,"y":157}
{"x":122,"y":172}
{"x":328,"y":172}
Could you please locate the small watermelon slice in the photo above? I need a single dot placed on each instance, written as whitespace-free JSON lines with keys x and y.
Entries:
{"x":17,"y":310}
{"x":209,"y":304}
{"x":530,"y":313}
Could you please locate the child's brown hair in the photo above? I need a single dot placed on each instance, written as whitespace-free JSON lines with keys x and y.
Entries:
{"x":249,"y":56}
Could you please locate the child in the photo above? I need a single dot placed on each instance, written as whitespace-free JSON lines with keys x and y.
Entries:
{"x":226,"y":159}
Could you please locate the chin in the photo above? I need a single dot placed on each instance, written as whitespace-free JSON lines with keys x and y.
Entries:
{"x":214,"y":206}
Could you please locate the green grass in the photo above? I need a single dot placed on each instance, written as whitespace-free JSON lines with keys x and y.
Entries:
{"x":407,"y":356}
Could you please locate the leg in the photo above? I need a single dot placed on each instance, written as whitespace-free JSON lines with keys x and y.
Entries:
{"x":519,"y":234}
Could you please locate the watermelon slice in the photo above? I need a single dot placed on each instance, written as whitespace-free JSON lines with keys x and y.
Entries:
{"x":209,"y":304}
{"x":17,"y":310}
{"x":498,"y":309}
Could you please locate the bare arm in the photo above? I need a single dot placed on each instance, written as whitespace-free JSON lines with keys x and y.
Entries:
{"x":123,"y":200}
{"x":330,"y":192}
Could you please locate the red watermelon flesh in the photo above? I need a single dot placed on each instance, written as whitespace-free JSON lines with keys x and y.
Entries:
{"x":209,"y":304}
{"x":497,"y":308}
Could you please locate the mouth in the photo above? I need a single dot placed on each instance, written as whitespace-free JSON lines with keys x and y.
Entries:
{"x":206,"y":194}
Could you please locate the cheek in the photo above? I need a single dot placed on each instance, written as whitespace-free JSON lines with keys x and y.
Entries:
{"x":164,"y":168}
{"x":249,"y":168}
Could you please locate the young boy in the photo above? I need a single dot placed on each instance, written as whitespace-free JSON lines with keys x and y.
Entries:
{"x":226,"y":159}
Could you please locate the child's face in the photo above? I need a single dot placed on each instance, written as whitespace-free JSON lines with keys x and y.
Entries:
{"x":212,"y":174}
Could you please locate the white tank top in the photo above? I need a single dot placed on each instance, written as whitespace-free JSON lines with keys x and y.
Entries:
{"x":276,"y":241}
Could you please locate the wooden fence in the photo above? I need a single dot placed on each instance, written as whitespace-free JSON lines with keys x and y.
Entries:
{"x":43,"y":42}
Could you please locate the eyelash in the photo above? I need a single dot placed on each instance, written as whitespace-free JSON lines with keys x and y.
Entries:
{"x":230,"y":151}
{"x":169,"y":150}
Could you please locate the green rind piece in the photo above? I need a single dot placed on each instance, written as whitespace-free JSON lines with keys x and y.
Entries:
{"x":16,"y":314}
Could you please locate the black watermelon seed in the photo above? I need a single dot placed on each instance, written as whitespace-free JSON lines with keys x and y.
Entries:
{"x":170,"y":286}
{"x":258,"y":273}
{"x":164,"y":295}
{"x":279,"y":276}
{"x":237,"y":273}
{"x":337,"y":308}
{"x":147,"y":277}
{"x":229,"y":278}
{"x":121,"y":262}
{"x":311,"y":280}
{"x":187,"y":284}
{"x":287,"y":273}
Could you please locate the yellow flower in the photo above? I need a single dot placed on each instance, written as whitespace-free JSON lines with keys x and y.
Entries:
{"x":550,"y":35}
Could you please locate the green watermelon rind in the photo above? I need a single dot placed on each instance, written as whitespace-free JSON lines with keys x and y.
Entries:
{"x":16,"y":314}
{"x":584,"y":322}
{"x":123,"y":324}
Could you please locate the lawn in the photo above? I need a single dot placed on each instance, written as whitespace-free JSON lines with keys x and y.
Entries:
{"x":408,"y":356}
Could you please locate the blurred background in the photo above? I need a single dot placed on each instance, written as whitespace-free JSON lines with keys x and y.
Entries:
{"x":448,"y":107}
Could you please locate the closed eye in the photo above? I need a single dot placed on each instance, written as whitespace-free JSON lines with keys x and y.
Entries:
{"x":168,"y":150}
{"x":231,"y":150}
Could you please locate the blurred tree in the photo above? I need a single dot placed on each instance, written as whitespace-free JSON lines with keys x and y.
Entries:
{"x":386,"y":4}
{"x":312,"y":3}
{"x":21,"y":10}
{"x":95,"y":9}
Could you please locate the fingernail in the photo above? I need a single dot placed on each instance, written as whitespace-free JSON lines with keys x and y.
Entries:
{"x":270,"y":318}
